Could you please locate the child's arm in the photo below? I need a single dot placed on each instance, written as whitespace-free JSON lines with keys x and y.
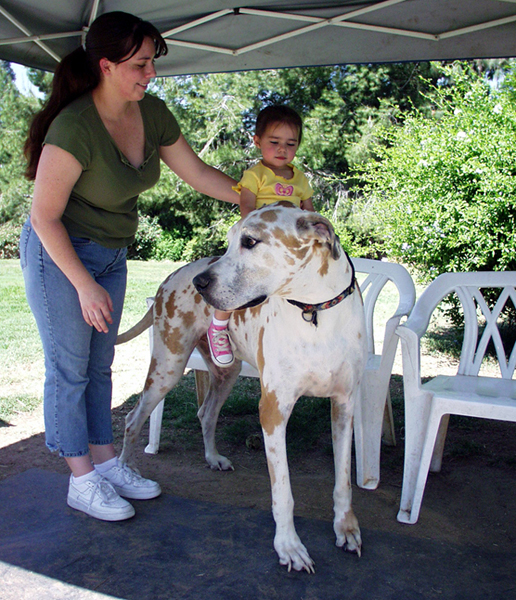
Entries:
{"x":305,"y":205}
{"x":247,"y":202}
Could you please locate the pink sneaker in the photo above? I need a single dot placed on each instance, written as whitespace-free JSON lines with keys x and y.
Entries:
{"x":220,"y":346}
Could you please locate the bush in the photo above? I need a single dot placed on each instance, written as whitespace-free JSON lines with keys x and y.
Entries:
{"x":147,"y":238}
{"x":442,"y":193}
{"x":10,"y":240}
{"x":170,"y":246}
{"x":210,"y":241}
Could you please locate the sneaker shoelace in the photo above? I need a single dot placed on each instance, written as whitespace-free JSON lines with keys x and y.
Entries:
{"x":220,"y":341}
{"x":130,"y":475}
{"x":105,"y":491}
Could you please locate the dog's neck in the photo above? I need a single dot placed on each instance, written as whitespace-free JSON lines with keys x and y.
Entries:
{"x":309,"y":311}
{"x":333,"y":276}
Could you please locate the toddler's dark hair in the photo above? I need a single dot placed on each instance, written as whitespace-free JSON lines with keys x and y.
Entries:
{"x":276,"y":114}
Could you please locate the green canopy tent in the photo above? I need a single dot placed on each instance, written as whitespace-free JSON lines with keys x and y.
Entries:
{"x":230,"y":35}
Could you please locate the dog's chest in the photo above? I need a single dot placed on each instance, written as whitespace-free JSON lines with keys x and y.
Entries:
{"x":289,"y":351}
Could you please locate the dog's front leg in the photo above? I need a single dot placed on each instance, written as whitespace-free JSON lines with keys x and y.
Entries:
{"x":345,"y":523}
{"x":287,"y":544}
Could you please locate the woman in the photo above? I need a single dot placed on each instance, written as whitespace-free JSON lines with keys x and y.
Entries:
{"x":91,"y":151}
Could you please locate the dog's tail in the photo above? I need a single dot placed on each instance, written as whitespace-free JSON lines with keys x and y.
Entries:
{"x":135,"y":330}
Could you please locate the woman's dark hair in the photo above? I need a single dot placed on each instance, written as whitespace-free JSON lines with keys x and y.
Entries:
{"x":272,"y":115}
{"x":114,"y":36}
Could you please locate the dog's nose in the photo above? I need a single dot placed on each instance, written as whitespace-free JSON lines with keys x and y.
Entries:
{"x":201,"y":281}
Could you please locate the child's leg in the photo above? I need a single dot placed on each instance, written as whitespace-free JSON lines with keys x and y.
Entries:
{"x":218,"y":338}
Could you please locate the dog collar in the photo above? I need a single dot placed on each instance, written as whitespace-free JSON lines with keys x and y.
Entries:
{"x":309,"y":311}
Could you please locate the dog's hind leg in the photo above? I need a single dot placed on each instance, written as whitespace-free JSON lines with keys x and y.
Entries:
{"x":163,"y":375}
{"x":345,"y":523}
{"x":221,"y":384}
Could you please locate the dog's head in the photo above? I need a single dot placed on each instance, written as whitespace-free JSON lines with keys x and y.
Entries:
{"x":277,"y":250}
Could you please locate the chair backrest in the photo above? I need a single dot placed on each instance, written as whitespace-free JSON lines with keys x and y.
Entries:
{"x":378,"y":274}
{"x":481,"y":323}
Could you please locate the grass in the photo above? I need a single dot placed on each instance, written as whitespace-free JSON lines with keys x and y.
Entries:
{"x":21,"y":356}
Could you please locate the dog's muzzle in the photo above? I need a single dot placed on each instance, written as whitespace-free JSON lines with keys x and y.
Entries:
{"x":204,"y":280}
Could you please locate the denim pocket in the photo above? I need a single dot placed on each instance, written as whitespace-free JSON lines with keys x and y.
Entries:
{"x":24,"y":241}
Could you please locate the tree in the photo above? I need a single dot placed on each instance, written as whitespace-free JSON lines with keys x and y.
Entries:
{"x":15,"y":191}
{"x":442,"y":191}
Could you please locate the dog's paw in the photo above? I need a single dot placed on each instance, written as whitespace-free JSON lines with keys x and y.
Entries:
{"x":218,"y":462}
{"x":293,"y":554}
{"x":348,"y":533}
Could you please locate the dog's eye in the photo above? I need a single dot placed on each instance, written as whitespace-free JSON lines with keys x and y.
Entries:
{"x":248,"y":242}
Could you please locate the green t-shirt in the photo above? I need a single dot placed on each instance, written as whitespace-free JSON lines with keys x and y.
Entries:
{"x":103,"y":203}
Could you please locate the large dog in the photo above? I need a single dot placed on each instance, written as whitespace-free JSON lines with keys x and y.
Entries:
{"x":298,"y":318}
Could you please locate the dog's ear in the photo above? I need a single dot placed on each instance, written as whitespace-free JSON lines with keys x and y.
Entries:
{"x":321,"y":229}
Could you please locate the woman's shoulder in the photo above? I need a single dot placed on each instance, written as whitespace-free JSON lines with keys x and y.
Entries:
{"x":76,"y":118}
{"x":81,"y":106}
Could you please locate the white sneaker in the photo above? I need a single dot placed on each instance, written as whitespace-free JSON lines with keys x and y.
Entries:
{"x":98,"y":499}
{"x":130,"y":484}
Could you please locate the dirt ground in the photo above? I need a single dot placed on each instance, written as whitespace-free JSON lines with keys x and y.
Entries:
{"x":471,"y":501}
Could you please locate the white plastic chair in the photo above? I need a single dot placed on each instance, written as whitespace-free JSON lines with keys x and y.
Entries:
{"x":468,"y":393}
{"x":374,"y":411}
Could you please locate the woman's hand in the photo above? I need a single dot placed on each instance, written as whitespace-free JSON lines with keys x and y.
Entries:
{"x":96,"y":305}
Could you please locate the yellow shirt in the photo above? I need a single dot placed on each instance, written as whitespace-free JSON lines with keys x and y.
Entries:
{"x":270,"y":188}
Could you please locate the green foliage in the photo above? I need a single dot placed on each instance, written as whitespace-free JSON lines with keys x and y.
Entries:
{"x":15,"y":191}
{"x":9,"y":239}
{"x":147,"y":236}
{"x":443,"y":189}
{"x":427,"y":186}
{"x":342,"y":107}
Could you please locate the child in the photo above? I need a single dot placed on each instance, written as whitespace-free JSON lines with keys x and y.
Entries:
{"x":278,"y":134}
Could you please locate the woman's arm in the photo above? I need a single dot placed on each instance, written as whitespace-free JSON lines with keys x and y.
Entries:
{"x":205,"y":179}
{"x":247,"y":202}
{"x":57,"y":173}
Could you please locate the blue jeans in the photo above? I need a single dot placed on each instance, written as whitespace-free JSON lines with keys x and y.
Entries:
{"x":78,"y":388}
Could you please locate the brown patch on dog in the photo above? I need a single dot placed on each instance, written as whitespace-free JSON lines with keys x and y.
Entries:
{"x":260,"y":361}
{"x":172,"y":339}
{"x":239,"y":317}
{"x":188,"y":318}
{"x":292,"y":243}
{"x":158,"y":303}
{"x":197,"y":298}
{"x":170,"y":305}
{"x":269,"y":216}
{"x":324,"y":268}
{"x":150,"y":380}
{"x":255,"y":310}
{"x":269,"y":408}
